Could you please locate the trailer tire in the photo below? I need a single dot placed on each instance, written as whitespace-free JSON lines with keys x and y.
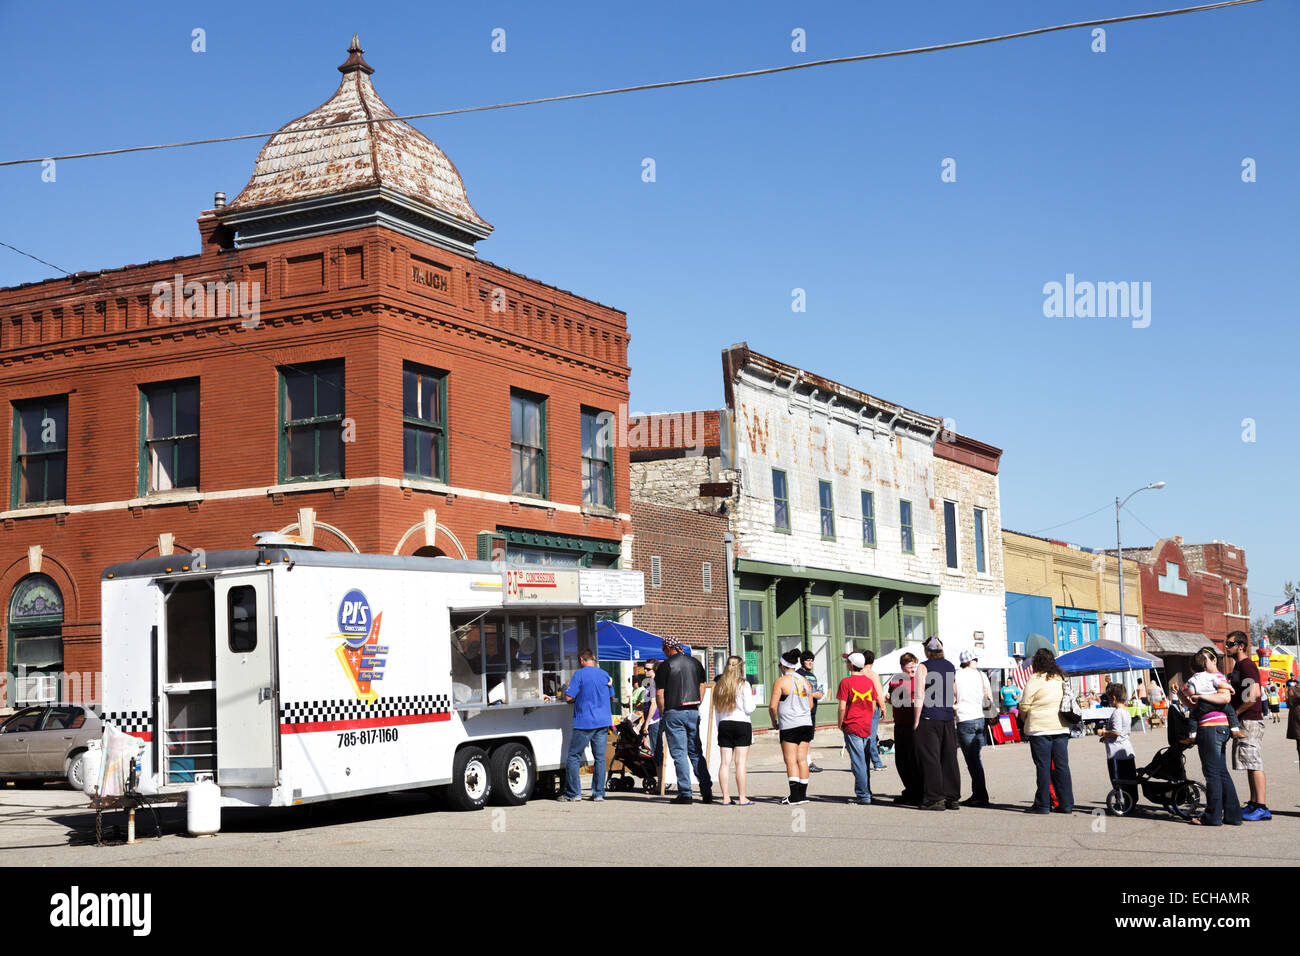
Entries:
{"x":513,"y":775}
{"x":471,"y":780}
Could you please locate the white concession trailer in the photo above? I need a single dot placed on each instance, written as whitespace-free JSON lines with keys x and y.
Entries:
{"x":289,"y":675}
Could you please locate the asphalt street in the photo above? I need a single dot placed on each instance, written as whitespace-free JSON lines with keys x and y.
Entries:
{"x":51,"y":826}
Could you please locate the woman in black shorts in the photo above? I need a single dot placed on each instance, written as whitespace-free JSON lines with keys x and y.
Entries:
{"x":733,"y":702}
{"x":791,"y":710}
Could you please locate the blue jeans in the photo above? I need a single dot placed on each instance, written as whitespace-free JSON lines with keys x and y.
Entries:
{"x":682,"y":728}
{"x":578,"y":740}
{"x":873,"y":746}
{"x":970,"y":738}
{"x":857,"y":748}
{"x":1048,"y":750}
{"x":1221,"y":803}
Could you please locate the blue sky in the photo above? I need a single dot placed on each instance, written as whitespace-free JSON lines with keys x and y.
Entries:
{"x":1115,"y":166}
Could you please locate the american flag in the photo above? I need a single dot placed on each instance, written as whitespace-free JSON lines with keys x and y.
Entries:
{"x":1020,"y":676}
{"x":1287,"y":608}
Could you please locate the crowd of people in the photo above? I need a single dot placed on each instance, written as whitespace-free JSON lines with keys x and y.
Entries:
{"x":939,"y":709}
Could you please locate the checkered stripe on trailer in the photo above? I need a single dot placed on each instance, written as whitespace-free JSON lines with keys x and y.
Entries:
{"x":137,"y":722}
{"x":341,"y":713}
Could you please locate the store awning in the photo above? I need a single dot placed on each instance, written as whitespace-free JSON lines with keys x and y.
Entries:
{"x":1182,"y":643}
{"x":766,"y":568}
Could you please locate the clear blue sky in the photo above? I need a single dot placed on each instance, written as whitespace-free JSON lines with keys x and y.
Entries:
{"x":1115,"y":166}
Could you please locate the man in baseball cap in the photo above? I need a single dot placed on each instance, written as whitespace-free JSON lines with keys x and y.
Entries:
{"x":973,"y":694}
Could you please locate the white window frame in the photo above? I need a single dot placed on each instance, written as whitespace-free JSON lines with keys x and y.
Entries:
{"x":656,"y":571}
{"x":706,"y":574}
{"x":956,"y":535}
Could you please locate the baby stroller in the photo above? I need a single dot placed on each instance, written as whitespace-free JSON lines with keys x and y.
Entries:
{"x":1164,"y":780}
{"x":632,"y":758}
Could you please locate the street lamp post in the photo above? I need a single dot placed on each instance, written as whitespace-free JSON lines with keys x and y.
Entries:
{"x":1119,"y":550}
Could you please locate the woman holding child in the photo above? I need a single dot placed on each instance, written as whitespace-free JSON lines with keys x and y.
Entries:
{"x":1212,"y":733}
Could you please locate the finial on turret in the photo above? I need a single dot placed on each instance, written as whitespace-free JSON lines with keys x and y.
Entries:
{"x":355,"y":60}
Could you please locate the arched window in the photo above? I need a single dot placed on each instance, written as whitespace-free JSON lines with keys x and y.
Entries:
{"x":35,"y":640}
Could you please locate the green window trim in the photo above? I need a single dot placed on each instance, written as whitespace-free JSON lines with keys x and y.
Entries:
{"x":143,"y":483}
{"x":314,"y":422}
{"x":907,"y":534}
{"x":601,"y":423}
{"x":781,"y":503}
{"x":868,"y":519}
{"x":540,"y":450}
{"x":47,"y":453}
{"x":981,"y":543}
{"x":436,"y":427}
{"x":826,"y":504}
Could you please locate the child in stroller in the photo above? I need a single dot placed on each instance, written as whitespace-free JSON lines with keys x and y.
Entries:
{"x":632,"y":758}
{"x":1164,"y":780}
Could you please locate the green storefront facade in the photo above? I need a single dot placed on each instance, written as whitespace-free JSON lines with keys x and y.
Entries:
{"x":831,"y":613}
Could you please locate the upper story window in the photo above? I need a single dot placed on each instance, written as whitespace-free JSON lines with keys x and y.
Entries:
{"x":597,"y":458}
{"x":781,"y":500}
{"x":40,"y":462}
{"x":826,"y":497}
{"x":311,"y":421}
{"x":868,"y":519}
{"x":905,"y":527}
{"x":528,"y":444}
{"x":169,"y":436}
{"x":981,"y":562}
{"x":950,"y":533}
{"x":424,"y":435}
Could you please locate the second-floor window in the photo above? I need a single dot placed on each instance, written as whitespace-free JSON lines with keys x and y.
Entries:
{"x":528,"y":444}
{"x":950,"y":533}
{"x":311,"y":421}
{"x":826,"y":496}
{"x":781,"y":498}
{"x":40,"y":467}
{"x":868,"y":519}
{"x":597,"y":458}
{"x":905,"y":527}
{"x":981,"y":564}
{"x":169,"y":436}
{"x":424,"y":436}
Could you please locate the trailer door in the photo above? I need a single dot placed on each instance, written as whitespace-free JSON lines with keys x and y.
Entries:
{"x":247,"y":718}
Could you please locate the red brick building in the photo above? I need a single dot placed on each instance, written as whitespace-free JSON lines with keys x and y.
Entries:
{"x":683,"y":557}
{"x":334,"y":362}
{"x":1192,"y":595}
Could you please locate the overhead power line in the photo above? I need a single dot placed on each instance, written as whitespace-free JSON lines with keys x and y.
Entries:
{"x":767,"y":71}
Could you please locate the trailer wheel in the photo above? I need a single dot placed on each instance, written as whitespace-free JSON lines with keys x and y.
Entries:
{"x":513,"y":775}
{"x":471,"y":780}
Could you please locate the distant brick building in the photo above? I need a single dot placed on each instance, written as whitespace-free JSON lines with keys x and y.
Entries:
{"x":683,"y":556}
{"x":335,"y":362}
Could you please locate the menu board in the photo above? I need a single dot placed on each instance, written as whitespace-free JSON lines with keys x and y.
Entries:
{"x":525,"y":585}
{"x":606,"y":587}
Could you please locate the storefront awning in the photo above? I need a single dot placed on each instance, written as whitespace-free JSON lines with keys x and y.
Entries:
{"x":1185,"y":643}
{"x":769,"y":569}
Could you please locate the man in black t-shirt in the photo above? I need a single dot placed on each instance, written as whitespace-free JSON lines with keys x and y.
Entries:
{"x":1246,"y":692}
{"x":679,"y":689}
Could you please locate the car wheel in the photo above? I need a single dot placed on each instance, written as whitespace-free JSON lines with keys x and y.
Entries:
{"x":76,"y":770}
{"x":513,"y":774}
{"x":471,"y":780}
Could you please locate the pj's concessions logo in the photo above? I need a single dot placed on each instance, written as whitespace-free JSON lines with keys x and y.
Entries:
{"x":362,"y":656}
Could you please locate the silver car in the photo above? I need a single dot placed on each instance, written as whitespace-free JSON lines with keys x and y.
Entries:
{"x":47,"y":742}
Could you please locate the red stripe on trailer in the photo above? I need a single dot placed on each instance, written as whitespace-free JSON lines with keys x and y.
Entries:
{"x":324,"y":725}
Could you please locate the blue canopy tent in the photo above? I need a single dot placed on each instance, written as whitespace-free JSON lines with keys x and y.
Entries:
{"x":621,"y":642}
{"x":1106,"y":657}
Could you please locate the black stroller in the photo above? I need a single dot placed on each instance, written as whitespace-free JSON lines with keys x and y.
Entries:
{"x":1164,"y":780}
{"x":633,"y":759}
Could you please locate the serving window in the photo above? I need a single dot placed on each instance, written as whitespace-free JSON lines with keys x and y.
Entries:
{"x":514,"y":658}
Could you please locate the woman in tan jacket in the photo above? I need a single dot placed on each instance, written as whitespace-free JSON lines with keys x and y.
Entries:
{"x":1048,"y":734}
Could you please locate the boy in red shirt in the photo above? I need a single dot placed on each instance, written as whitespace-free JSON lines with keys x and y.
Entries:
{"x":860,"y":697}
